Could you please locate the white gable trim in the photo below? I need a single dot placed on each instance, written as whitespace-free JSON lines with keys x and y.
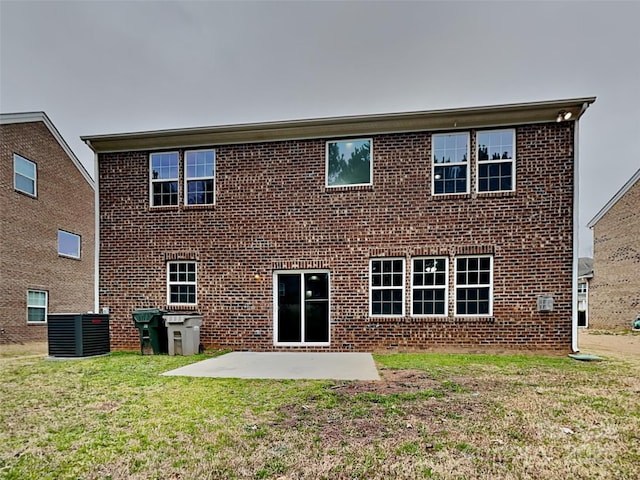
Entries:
{"x":28,"y":117}
{"x":625,"y":188}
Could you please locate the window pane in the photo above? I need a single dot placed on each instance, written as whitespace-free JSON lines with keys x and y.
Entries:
{"x":68,"y":244}
{"x":164,"y":165}
{"x":200,"y":163}
{"x":24,"y":167}
{"x":36,"y":299}
{"x":25,"y":185}
{"x":349,"y":162}
{"x":36,"y":314}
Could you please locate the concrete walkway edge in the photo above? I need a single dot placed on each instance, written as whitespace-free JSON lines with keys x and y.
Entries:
{"x":284,"y":365}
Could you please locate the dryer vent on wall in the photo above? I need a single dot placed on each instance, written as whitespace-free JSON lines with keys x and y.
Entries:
{"x":545,"y":303}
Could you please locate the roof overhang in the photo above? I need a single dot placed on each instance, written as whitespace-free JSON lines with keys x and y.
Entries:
{"x":452,"y":119}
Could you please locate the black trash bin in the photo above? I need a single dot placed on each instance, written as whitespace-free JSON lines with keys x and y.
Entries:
{"x":153,"y":331}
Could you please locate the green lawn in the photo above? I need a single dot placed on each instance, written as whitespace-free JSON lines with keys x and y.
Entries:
{"x":433,"y":416}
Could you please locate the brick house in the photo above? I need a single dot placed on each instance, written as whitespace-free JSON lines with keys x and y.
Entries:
{"x":614,"y":291}
{"x":450,"y":229}
{"x":47,"y":226}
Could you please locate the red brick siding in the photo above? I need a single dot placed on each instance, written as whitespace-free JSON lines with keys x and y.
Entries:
{"x":273,"y":212}
{"x":614,"y":291}
{"x":29,"y":232}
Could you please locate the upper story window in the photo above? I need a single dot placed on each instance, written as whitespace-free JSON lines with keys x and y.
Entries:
{"x":164,"y":173}
{"x":181,"y":283}
{"x":68,"y":244}
{"x":496,"y":154}
{"x":582,"y":288}
{"x":429,"y":281}
{"x":36,"y":306}
{"x":349,"y":163}
{"x":24,"y":175}
{"x":386,"y":284}
{"x":450,"y":163}
{"x":474,"y":285}
{"x":200,"y":177}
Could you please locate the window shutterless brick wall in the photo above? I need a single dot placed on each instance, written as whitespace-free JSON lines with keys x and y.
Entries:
{"x":273,"y":212}
{"x":614,"y":291}
{"x":29,"y":227}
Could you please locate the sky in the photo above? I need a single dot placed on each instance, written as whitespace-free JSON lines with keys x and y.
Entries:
{"x":100,"y":67}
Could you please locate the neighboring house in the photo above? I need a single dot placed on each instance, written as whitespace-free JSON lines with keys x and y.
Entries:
{"x":585,"y":274}
{"x":450,"y":229}
{"x":47,"y":220}
{"x":614,"y":293}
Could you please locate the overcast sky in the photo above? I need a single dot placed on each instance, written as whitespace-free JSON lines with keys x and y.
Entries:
{"x":109,"y":67}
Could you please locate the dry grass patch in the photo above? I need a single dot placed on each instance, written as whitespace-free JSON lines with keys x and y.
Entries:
{"x":432,"y":416}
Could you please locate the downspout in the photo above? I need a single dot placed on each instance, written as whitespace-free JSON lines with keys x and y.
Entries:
{"x":574,"y":275}
{"x":96,"y":246}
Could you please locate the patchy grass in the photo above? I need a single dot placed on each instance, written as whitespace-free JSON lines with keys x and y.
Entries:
{"x":432,"y":416}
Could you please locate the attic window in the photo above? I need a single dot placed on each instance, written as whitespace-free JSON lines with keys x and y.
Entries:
{"x":24,"y":175}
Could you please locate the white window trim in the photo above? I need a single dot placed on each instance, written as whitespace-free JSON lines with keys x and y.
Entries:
{"x":326,"y":162}
{"x":456,"y":164}
{"x":482,"y":162}
{"x":162,"y":180}
{"x":169,"y":283}
{"x":46,"y":306}
{"x":444,"y":287}
{"x":275,"y":308}
{"x":34,"y":179}
{"x":371,"y":287}
{"x":79,"y":244}
{"x":187,"y":179}
{"x":490,"y":285}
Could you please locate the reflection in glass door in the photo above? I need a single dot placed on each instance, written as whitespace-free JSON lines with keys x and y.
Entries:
{"x":301,"y":301}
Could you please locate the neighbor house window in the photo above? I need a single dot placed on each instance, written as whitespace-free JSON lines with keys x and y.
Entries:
{"x":200,"y":177}
{"x":429,"y":280}
{"x":181,"y":283}
{"x":36,"y":306}
{"x":496,"y":160}
{"x":164,"y":179}
{"x":24,"y":175}
{"x":450,"y":163}
{"x":68,"y":244}
{"x":386,"y":284}
{"x":349,"y":162}
{"x":474,"y":285}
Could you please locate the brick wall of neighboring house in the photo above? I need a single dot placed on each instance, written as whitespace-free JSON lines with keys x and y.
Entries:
{"x":274,"y":212}
{"x":29,"y":257}
{"x":614,"y":292}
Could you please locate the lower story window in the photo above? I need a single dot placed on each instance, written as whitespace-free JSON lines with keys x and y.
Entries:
{"x":386,"y":287}
{"x":36,"y":306}
{"x":429,"y":280}
{"x":181,"y":283}
{"x":474,"y":285}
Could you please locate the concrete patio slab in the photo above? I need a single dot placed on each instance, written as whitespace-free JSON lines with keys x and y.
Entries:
{"x":284,"y":365}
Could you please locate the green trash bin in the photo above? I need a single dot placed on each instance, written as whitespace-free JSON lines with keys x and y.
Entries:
{"x":153,"y":331}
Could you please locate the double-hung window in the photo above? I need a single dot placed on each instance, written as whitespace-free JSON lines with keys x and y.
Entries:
{"x":429,"y":283}
{"x":386,"y":285}
{"x":181,"y":283}
{"x":36,"y":306}
{"x":474,"y":285}
{"x":200,"y":177}
{"x":164,"y":168}
{"x":24,"y":175}
{"x":450,"y":163}
{"x":496,"y":160}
